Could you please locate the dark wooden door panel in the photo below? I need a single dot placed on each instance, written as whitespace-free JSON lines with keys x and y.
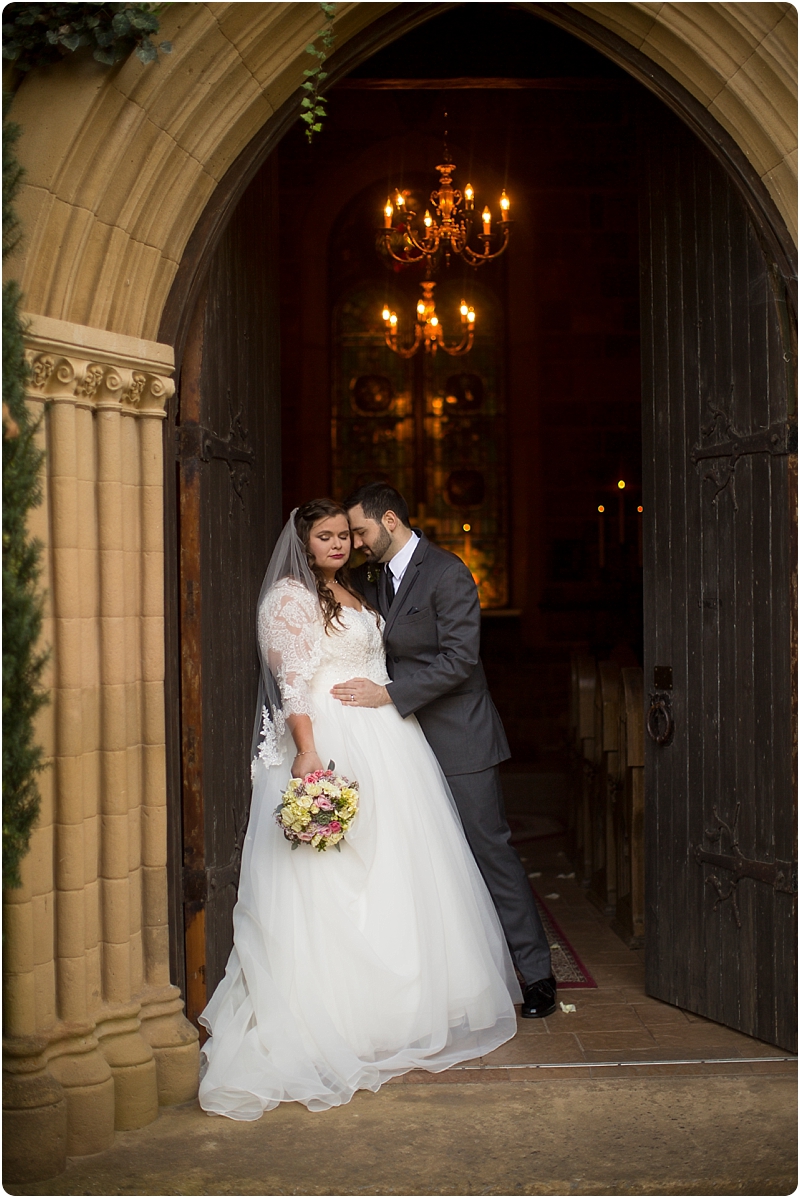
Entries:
{"x":228,"y":443}
{"x":721,"y":799}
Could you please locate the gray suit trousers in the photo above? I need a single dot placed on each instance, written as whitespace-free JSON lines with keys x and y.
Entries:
{"x":479,"y":800}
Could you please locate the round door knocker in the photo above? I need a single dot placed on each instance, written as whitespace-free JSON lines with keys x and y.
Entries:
{"x":659,"y":723}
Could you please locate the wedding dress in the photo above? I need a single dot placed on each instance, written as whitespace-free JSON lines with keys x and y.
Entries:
{"x":350,"y":967}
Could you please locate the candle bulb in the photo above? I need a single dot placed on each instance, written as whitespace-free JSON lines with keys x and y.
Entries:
{"x":505,"y":204}
{"x":469,"y":196}
{"x":387,"y":213}
{"x":486,"y":217}
{"x":601,"y":537}
{"x":386,"y":313}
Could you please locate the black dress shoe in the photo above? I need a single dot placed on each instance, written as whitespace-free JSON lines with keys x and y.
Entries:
{"x":539,"y":999}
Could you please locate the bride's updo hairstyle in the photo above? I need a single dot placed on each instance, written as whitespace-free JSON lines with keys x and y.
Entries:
{"x":307,"y":516}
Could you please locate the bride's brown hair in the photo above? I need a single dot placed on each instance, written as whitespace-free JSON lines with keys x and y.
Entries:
{"x":307,"y":516}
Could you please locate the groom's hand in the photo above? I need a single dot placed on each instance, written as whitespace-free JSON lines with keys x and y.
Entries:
{"x":360,"y":692}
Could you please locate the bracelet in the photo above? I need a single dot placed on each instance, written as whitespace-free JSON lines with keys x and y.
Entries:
{"x":306,"y":753}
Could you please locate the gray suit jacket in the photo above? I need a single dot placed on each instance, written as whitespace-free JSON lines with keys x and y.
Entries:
{"x":432,"y":638}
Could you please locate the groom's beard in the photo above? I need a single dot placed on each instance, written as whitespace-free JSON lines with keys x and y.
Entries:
{"x":376,"y":551}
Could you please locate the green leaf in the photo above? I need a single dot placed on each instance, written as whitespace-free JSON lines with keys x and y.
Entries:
{"x":166,"y":47}
{"x":72,"y":42}
{"x":146,"y":51}
{"x":120,"y":24}
{"x":317,"y":128}
{"x":109,"y":57}
{"x":144,"y":21}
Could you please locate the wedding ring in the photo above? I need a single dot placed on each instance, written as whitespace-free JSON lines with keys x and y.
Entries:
{"x":352,"y":698}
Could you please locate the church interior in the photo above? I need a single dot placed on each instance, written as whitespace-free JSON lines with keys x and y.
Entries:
{"x":522,"y":455}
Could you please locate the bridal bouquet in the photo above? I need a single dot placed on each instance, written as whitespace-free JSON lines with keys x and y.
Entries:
{"x":317,"y":809}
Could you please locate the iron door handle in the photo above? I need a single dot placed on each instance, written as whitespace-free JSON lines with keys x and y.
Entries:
{"x":660,"y":712}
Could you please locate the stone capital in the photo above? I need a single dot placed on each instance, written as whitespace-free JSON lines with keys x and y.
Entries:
{"x":95,"y":369}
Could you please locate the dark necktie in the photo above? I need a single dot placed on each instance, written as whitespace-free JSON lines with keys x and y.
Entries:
{"x":389,"y":585}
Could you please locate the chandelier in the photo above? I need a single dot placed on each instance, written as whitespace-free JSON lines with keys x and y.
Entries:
{"x":446,"y":226}
{"x":428,"y":332}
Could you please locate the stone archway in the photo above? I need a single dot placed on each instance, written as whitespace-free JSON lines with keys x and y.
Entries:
{"x":131,"y":174}
{"x":121,"y":165}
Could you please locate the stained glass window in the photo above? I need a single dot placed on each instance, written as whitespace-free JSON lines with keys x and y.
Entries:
{"x":433,"y":425}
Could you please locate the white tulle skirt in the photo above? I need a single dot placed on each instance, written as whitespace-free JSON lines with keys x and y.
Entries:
{"x":351,"y":967}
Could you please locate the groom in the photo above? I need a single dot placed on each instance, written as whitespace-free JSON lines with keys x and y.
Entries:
{"x":429,"y":601}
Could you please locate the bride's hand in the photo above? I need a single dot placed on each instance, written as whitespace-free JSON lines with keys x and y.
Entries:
{"x":306,"y":763}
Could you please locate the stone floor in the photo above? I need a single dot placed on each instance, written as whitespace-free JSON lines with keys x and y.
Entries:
{"x":551,"y":1112}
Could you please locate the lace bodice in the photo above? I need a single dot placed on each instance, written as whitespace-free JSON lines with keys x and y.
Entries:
{"x":352,"y":649}
{"x":304,"y":658}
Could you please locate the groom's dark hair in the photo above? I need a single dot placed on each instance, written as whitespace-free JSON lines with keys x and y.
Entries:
{"x":376,"y":499}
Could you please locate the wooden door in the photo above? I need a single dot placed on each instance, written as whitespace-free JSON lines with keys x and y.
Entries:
{"x":721,"y":811}
{"x":228,"y":452}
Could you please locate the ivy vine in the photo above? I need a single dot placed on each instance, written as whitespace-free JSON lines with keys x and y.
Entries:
{"x":313,"y":103}
{"x":35,"y":35}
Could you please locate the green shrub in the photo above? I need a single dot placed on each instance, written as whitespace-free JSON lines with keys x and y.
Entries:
{"x":22,"y":602}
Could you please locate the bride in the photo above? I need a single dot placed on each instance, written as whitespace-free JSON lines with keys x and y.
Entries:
{"x":351,"y":967}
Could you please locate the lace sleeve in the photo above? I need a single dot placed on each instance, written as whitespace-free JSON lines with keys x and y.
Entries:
{"x":289,"y":636}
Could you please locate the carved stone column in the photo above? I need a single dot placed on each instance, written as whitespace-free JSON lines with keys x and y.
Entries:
{"x":97,"y":1033}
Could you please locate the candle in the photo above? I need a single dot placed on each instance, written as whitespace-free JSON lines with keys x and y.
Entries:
{"x":486,"y":217}
{"x":621,"y":511}
{"x":601,"y":537}
{"x":387,"y":213}
{"x":505,"y":204}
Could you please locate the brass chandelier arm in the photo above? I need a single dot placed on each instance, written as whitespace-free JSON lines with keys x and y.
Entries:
{"x":401,"y":350}
{"x":474,"y":259}
{"x":405,"y":261}
{"x":463,"y":347}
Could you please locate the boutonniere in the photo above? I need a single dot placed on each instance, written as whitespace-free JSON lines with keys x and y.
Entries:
{"x":373,"y":573}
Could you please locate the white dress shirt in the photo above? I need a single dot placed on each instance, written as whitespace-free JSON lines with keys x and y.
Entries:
{"x":399,"y":563}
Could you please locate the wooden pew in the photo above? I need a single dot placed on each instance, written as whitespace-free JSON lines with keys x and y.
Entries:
{"x":584,"y":683}
{"x":629,"y":813}
{"x":607,"y":785}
